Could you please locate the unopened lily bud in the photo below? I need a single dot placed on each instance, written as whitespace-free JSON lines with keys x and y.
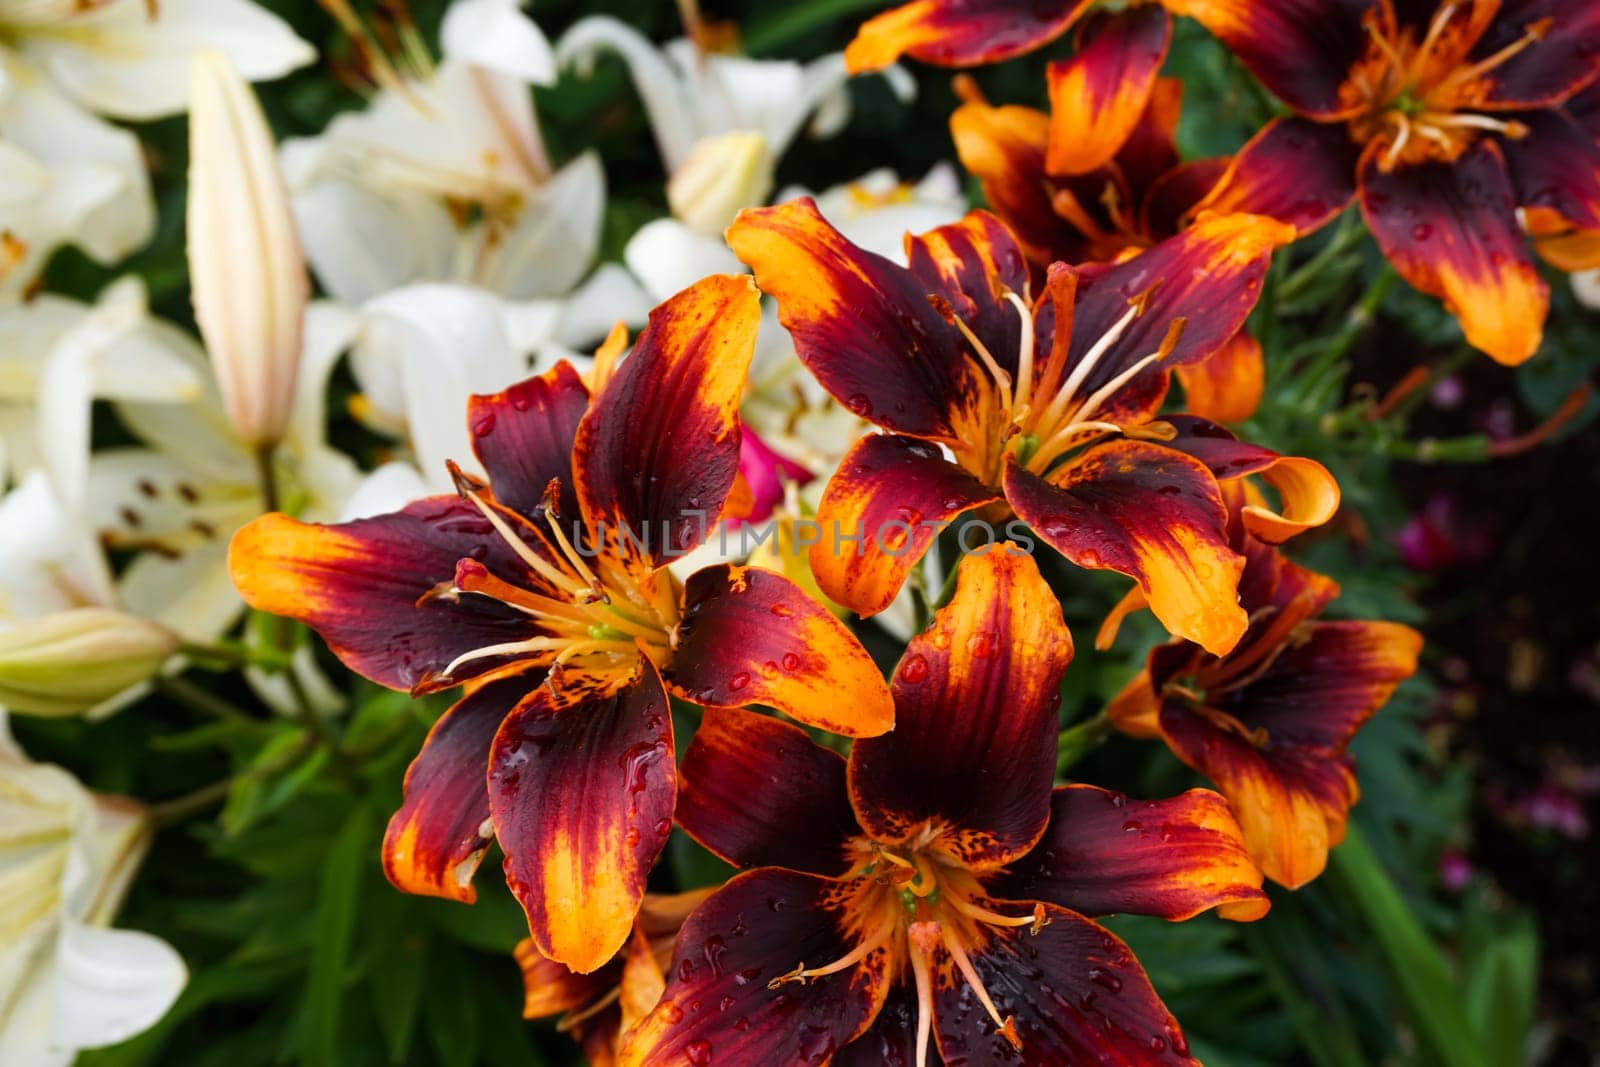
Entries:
{"x":71,"y":661}
{"x":249,"y":274}
{"x":722,"y":176}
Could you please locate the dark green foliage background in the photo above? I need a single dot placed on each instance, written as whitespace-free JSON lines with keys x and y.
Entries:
{"x":300,"y":951}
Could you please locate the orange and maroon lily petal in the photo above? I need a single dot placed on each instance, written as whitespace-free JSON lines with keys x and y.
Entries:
{"x":1296,"y":171}
{"x":1451,"y":230}
{"x":551,"y":989}
{"x":891,"y":1040}
{"x":1308,"y":493}
{"x":880,"y":512}
{"x":1151,"y":148}
{"x":1174,"y":859}
{"x":760,"y":793}
{"x":1003,"y":147}
{"x":972,"y":264}
{"x":975,"y":708}
{"x":1556,"y":168}
{"x":1561,"y":60}
{"x":1584,"y":109}
{"x":364,"y":586}
{"x":1302,"y":50}
{"x":658,"y":452}
{"x":1278,"y":752}
{"x":1210,"y":276}
{"x":751,"y":636}
{"x":437,"y":839}
{"x":1074,"y":991}
{"x":1227,"y":386}
{"x":1153,"y":514}
{"x":1099,"y":95}
{"x":757,"y":928}
{"x":959,"y":33}
{"x":1169,"y":202}
{"x":581,"y":791}
{"x":861,"y":323}
{"x":1291,"y":804}
{"x":523,"y":437}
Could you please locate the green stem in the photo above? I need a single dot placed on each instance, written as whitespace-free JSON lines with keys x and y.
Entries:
{"x":1428,"y":989}
{"x":1076,"y":742}
{"x":1346,"y":235}
{"x":795,"y":20}
{"x":178,"y":809}
{"x":202,"y":700}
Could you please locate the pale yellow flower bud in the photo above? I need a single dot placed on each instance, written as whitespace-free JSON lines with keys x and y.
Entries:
{"x":722,"y":176}
{"x":249,"y":275}
{"x":72,"y":661}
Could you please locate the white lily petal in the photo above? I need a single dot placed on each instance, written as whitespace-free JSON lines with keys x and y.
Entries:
{"x":610,"y":295}
{"x":191,"y":595}
{"x":26,"y":1015}
{"x":362,"y":242}
{"x":496,"y":34}
{"x":276,"y":691}
{"x":248,"y":273}
{"x":199,"y":432}
{"x":330,"y":330}
{"x":112,"y":984}
{"x":66,"y":384}
{"x":659,"y":85}
{"x":667,"y":257}
{"x":767,"y":96}
{"x":121,"y":62}
{"x":143,"y":497}
{"x":443,"y":343}
{"x":98,"y":195}
{"x":1586,"y":284}
{"x":389,"y":488}
{"x":48,"y":562}
{"x":556,"y":235}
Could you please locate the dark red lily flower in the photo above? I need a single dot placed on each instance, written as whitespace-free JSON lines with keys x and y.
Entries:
{"x":934,"y":887}
{"x":1564,"y":244}
{"x":1445,"y":118}
{"x":1049,"y":405}
{"x":1107,"y":82}
{"x":598,"y":1008}
{"x":1139,"y":197}
{"x":569,"y":645}
{"x":1270,"y":722}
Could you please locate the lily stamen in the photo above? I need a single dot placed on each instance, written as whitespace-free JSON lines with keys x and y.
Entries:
{"x":869,"y":945}
{"x":923,"y":936}
{"x":1001,"y":378}
{"x":1532,"y":34}
{"x":1024,"y":385}
{"x":597,"y":590}
{"x":535,"y":563}
{"x":1007,"y":1027}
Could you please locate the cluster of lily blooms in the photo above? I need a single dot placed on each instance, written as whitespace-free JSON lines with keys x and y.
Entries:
{"x":934,"y":893}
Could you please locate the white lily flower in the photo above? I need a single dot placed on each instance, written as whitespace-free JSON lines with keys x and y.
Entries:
{"x":56,"y":356}
{"x":247,"y":272}
{"x":444,"y":176}
{"x":65,"y":63}
{"x":436,"y":216}
{"x":1586,"y":285}
{"x":695,"y":100}
{"x":178,"y":499}
{"x":48,"y":561}
{"x":67,"y":981}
